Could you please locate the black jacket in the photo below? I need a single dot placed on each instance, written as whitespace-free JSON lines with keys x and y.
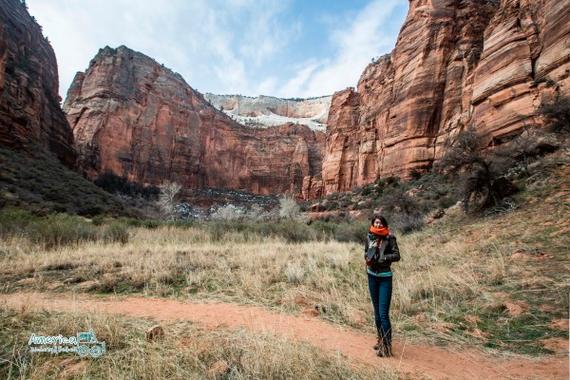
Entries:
{"x":391,"y":253}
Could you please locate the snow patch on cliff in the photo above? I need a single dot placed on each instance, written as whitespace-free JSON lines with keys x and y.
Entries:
{"x":267,"y":111}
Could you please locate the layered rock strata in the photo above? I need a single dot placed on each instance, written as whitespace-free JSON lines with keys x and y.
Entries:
{"x":30,"y":114}
{"x":136,"y":118}
{"x":457,"y":63}
{"x":267,"y":111}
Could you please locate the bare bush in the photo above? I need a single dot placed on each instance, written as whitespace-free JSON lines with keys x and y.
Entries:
{"x":517,"y":154}
{"x":557,"y":114}
{"x":463,"y":152}
{"x":289,"y":208}
{"x":228,"y":212}
{"x":483,"y":177}
{"x":257,"y":213}
{"x":167,"y":198}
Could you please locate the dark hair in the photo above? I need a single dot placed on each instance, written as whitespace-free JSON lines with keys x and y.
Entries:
{"x":382,"y":219}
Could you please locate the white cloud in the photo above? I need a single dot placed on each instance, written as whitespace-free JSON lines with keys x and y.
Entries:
{"x":304,"y":73}
{"x":220,"y":46}
{"x":217,"y":43}
{"x":267,"y":86}
{"x":356,"y":44}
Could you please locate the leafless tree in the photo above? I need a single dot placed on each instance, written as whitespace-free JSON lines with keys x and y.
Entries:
{"x":289,"y":208}
{"x":167,"y":198}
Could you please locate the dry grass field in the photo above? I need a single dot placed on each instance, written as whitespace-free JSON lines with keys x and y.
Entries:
{"x":497,"y":282}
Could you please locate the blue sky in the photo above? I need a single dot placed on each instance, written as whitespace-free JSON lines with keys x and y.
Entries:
{"x":285,"y":48}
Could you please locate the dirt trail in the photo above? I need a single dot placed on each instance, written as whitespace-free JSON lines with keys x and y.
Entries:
{"x":416,"y":360}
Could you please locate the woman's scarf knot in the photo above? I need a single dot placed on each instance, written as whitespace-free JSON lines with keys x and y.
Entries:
{"x":380,"y":231}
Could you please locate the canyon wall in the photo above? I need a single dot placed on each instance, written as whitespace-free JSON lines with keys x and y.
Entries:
{"x":30,"y":114}
{"x":265,"y":111}
{"x":136,"y":118}
{"x":457,"y":63}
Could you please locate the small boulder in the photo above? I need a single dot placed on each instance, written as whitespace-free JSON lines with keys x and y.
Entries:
{"x":558,"y":345}
{"x":86,"y":286}
{"x":437,"y":214}
{"x":455,"y":210}
{"x":516,"y":308}
{"x":476,"y":333}
{"x":420,"y":317}
{"x":560,"y":324}
{"x":311,"y":312}
{"x":473,"y":319}
{"x":156,"y":332}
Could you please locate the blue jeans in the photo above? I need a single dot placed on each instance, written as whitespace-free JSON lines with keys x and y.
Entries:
{"x":381,"y":295}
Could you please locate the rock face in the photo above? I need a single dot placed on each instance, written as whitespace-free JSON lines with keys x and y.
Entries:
{"x":456,"y":63}
{"x":138,"y":119}
{"x":526,"y":59}
{"x":30,"y":114}
{"x":266,"y":111}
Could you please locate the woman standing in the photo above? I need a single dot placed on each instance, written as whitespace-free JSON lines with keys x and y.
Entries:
{"x":380,"y":250}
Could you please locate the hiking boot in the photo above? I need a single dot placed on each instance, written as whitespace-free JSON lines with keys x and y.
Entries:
{"x":388,"y":350}
{"x":381,"y":351}
{"x":378,"y":344}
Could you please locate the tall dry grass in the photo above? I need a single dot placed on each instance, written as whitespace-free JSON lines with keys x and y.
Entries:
{"x":185,"y":352}
{"x":438,"y":273}
{"x":453,"y":271}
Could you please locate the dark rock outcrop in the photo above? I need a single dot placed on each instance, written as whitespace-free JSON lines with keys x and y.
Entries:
{"x":30,"y":114}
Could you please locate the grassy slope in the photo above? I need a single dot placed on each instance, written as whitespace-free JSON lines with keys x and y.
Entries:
{"x":39,"y":182}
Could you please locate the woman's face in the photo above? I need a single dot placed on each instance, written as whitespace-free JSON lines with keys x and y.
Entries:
{"x":377,"y":223}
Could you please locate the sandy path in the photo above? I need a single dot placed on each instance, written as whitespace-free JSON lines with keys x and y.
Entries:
{"x":418,"y":360}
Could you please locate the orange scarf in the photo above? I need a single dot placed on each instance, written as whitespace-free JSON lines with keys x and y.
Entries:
{"x":380,"y":231}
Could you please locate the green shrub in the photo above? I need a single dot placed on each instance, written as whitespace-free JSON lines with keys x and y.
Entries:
{"x":325,"y":229}
{"x":446,"y":201}
{"x":146,"y":223}
{"x":98,"y":220}
{"x":151,"y":224}
{"x":116,"y":232}
{"x":366,"y":190}
{"x":351,"y":232}
{"x":407,"y":223}
{"x":288,"y":229}
{"x":13,"y":221}
{"x":59,"y":230}
{"x":295,"y":231}
{"x":37,"y":181}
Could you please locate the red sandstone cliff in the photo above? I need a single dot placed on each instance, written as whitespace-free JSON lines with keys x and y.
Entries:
{"x":456,"y":63}
{"x":30,"y":114}
{"x":137,"y":118}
